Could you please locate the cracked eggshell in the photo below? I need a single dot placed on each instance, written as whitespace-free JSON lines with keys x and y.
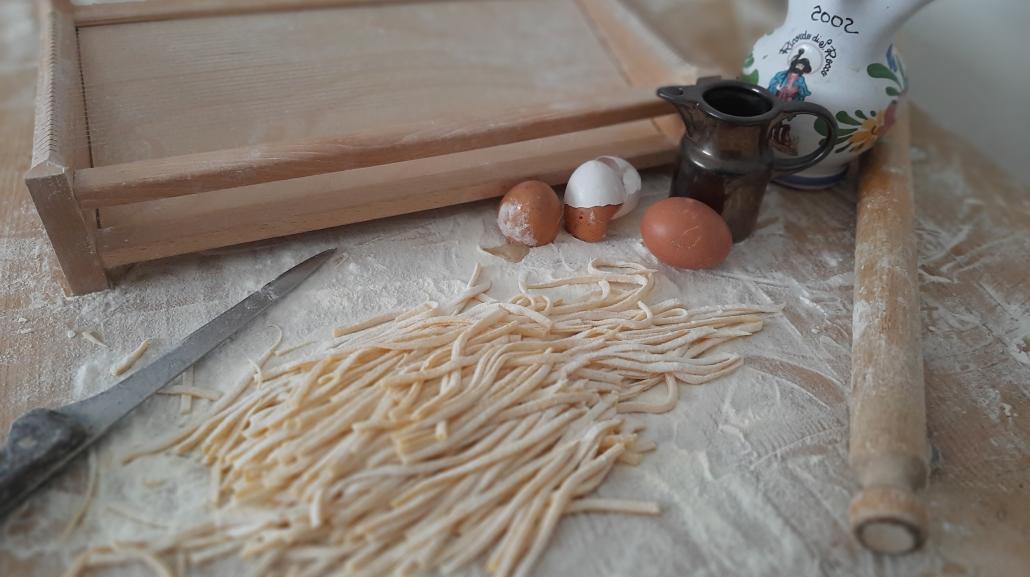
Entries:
{"x":631,"y":183}
{"x":594,"y":183}
{"x":589,"y":224}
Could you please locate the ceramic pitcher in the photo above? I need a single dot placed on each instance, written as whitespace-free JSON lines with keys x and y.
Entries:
{"x":840,"y":54}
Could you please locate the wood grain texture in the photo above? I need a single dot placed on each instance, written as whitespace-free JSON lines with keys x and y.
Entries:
{"x":711,"y":31}
{"x":970,"y":224}
{"x":888,"y":446}
{"x":171,"y":88}
{"x":645,"y":59}
{"x":204,"y":172}
{"x":167,"y":227}
{"x":248,"y":110}
{"x":156,"y":10}
{"x":60,"y":145}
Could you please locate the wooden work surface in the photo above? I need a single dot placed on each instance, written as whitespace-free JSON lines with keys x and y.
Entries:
{"x":767,"y":484}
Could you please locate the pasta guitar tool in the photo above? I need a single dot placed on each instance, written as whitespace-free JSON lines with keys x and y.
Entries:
{"x":43,"y":441}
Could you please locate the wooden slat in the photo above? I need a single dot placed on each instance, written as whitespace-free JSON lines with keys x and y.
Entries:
{"x":644,"y":58}
{"x":273,"y":189}
{"x":177,"y":87}
{"x":197,"y":173}
{"x":59,"y":146}
{"x":182,"y":225}
{"x":155,"y":10}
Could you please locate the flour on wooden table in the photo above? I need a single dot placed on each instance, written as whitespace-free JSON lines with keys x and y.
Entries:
{"x":750,"y":470}
{"x":400,"y":262}
{"x":738,"y":453}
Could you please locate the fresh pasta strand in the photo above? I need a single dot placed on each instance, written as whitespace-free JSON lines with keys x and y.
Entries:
{"x":130,"y":361}
{"x":187,"y":391}
{"x":185,"y":400}
{"x":221,"y":404}
{"x":126,"y":513}
{"x":424,"y":439}
{"x":93,"y":337}
{"x":87,"y":500}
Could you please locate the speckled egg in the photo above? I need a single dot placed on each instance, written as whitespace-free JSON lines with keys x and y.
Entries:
{"x":686,"y":233}
{"x":530,"y":213}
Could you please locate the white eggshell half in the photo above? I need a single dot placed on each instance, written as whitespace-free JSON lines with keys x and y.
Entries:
{"x":631,"y":183}
{"x":594,"y":183}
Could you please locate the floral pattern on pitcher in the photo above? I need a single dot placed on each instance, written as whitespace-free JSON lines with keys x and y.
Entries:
{"x":858,"y":132}
{"x":893,"y":71}
{"x":749,"y":77}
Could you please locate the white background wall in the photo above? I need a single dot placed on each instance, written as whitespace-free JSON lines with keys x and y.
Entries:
{"x":969,"y":67}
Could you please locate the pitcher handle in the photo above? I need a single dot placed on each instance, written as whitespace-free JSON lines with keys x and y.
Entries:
{"x":784,"y":166}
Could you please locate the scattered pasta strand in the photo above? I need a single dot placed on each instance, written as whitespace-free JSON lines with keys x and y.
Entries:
{"x":126,"y":513}
{"x":188,"y":391}
{"x":130,"y":361}
{"x":186,"y":380}
{"x":147,"y":558}
{"x":223,"y":402}
{"x":626,"y":506}
{"x":87,"y":500}
{"x":93,"y":337}
{"x":423,"y":440}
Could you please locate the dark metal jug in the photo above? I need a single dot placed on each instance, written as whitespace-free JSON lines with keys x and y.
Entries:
{"x":725,"y":159}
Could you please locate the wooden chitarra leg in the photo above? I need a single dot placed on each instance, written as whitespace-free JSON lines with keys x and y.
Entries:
{"x":60,"y":145}
{"x":72,"y":238}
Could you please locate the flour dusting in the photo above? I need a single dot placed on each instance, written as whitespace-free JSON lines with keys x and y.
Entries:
{"x":737,"y":459}
{"x":513,"y":220}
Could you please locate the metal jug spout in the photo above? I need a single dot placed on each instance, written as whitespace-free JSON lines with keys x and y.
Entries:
{"x":684,"y":98}
{"x":687,"y":100}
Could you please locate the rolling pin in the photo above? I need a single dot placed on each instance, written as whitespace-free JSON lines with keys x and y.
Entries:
{"x":888,"y":447}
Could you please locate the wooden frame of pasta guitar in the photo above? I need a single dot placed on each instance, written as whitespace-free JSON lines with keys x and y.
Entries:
{"x":317,"y":184}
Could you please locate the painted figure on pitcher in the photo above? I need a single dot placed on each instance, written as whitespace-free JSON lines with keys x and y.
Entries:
{"x":790,"y":84}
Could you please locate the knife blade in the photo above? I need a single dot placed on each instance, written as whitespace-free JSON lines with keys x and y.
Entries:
{"x":43,"y":441}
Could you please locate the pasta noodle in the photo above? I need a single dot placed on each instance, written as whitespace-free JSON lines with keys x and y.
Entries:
{"x":94,"y":338}
{"x":130,"y":361}
{"x":423,"y":440}
{"x":188,"y":391}
{"x":125,"y":513}
{"x":87,"y":500}
{"x":626,"y":506}
{"x":186,"y":401}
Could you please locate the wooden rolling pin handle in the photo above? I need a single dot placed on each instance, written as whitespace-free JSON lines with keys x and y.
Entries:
{"x":888,"y":519}
{"x":888,"y":447}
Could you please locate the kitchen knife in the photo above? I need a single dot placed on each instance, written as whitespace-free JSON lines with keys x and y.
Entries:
{"x":42,"y":441}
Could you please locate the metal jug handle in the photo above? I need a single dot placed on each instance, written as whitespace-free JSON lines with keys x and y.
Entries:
{"x":784,"y":166}
{"x":687,"y":100}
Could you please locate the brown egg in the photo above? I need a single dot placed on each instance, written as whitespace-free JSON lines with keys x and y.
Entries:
{"x":530,"y":213}
{"x":686,"y":233}
{"x":591,"y":223}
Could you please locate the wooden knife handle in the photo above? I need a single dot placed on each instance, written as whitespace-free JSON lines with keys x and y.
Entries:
{"x":38,"y":440}
{"x":888,"y":451}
